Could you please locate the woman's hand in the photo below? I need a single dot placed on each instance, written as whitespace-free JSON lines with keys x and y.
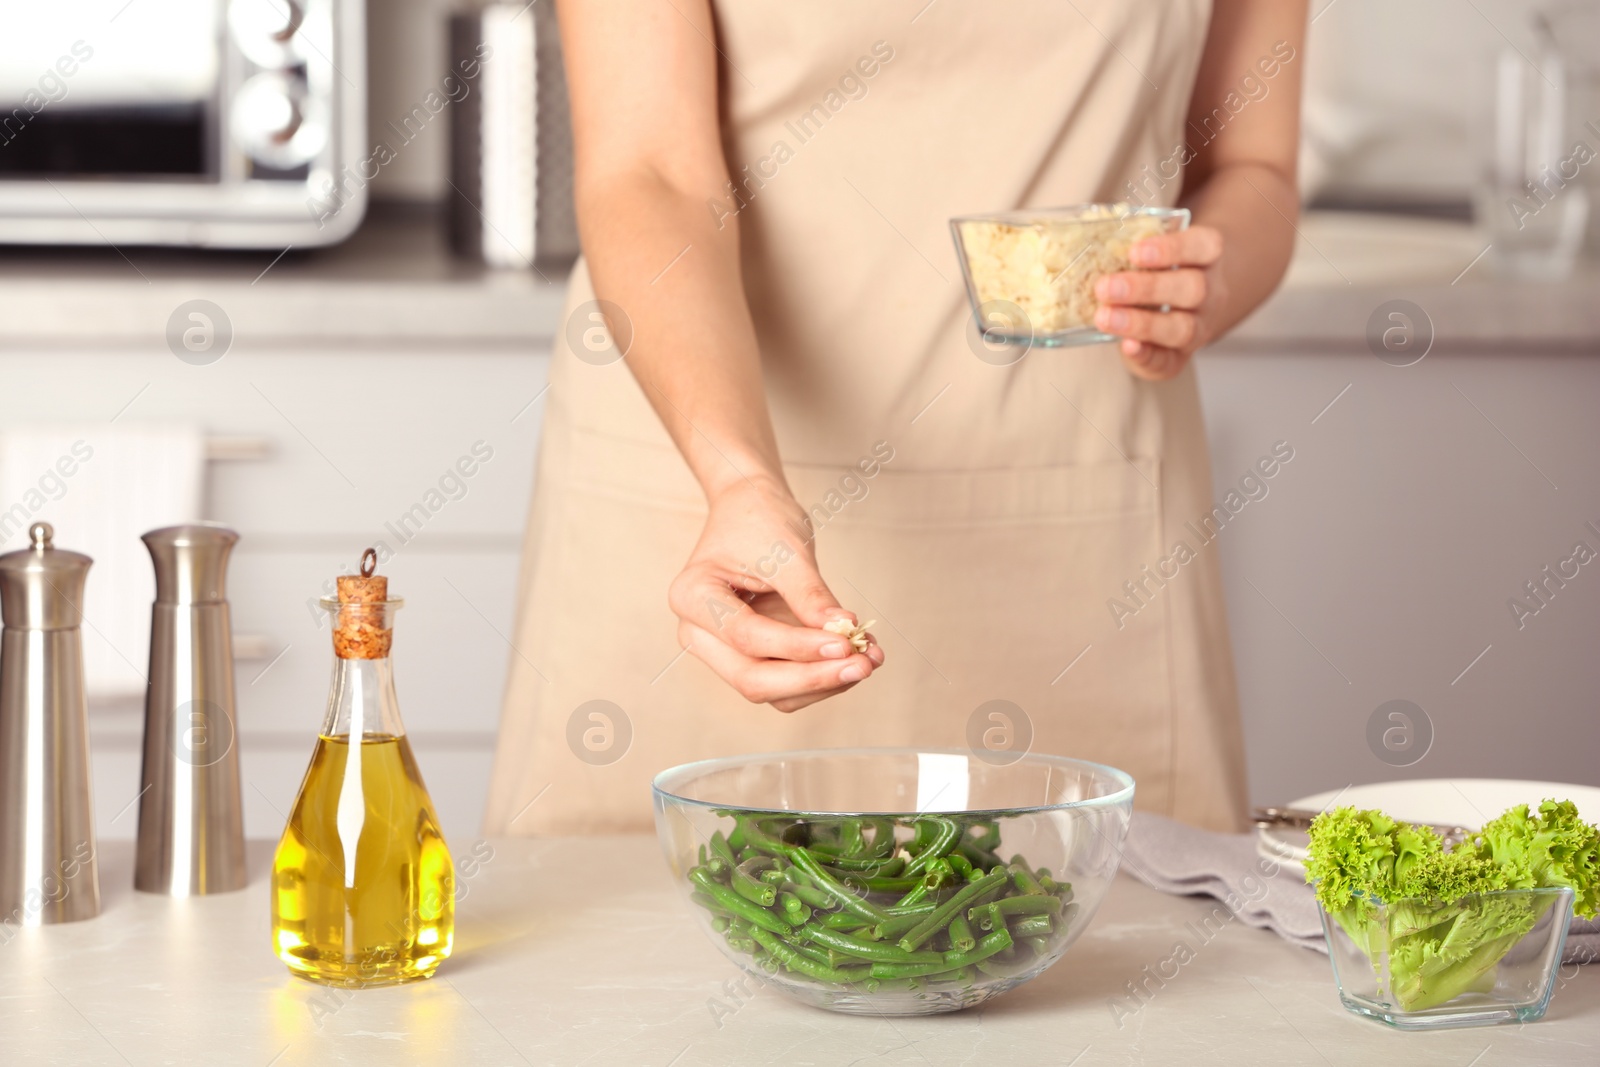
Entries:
{"x":751,"y":603}
{"x":1155,"y":343}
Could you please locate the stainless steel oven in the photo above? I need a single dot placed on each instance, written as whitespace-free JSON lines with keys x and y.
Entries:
{"x":210,"y":123}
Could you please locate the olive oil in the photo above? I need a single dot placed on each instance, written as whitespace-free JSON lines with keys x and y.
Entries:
{"x":363,"y":892}
{"x":362,"y":885}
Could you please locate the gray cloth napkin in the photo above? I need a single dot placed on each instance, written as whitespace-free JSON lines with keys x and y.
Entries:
{"x":1179,"y":859}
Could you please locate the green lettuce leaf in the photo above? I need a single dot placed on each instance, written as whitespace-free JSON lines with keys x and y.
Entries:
{"x":1399,"y":894}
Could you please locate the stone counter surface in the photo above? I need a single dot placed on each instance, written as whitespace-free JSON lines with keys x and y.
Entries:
{"x":580,"y":951}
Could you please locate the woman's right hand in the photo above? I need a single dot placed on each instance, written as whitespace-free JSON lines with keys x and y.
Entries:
{"x":751,"y":603}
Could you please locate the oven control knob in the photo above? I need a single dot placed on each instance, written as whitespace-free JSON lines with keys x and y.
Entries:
{"x":265,"y":30}
{"x":275,"y":123}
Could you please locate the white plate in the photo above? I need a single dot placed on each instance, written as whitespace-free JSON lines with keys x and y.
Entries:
{"x":1468,"y":802}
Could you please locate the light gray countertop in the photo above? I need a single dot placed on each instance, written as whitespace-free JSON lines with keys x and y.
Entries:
{"x":396,"y":282}
{"x":580,"y":951}
{"x":1347,"y":265}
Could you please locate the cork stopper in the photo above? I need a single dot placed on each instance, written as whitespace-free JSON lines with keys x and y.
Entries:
{"x":362,"y":631}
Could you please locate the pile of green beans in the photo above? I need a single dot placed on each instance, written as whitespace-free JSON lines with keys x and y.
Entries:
{"x":848,"y":902}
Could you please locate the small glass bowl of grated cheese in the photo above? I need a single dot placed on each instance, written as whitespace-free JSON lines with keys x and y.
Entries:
{"x":1031,"y":274}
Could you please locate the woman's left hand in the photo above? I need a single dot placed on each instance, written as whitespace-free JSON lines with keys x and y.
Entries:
{"x":1155,"y":343}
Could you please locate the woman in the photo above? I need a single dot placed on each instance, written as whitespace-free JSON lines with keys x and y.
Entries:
{"x":803,"y":424}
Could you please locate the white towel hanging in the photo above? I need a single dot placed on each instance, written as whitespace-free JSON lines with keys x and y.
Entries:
{"x":101,"y":486}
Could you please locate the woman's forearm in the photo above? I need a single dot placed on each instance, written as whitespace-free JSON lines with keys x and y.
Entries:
{"x":1256,"y":208}
{"x":655,"y":251}
{"x":647,"y":145}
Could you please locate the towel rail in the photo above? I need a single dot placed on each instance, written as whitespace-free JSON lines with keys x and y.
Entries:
{"x":222,"y":448}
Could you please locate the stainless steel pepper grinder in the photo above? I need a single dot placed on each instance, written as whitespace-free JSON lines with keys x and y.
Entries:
{"x":191,"y":818}
{"x":48,"y":872}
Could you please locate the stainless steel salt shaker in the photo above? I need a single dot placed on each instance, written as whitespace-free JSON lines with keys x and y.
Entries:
{"x":191,"y":818}
{"x":48,"y":872}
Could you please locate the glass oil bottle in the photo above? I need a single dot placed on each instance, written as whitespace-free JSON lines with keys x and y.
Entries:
{"x":363,"y":892}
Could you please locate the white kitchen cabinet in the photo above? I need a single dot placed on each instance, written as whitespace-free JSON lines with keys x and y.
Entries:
{"x":361,"y":445}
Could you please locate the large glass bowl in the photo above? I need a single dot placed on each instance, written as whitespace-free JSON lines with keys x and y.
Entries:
{"x":1031,"y":274}
{"x":893,"y":881}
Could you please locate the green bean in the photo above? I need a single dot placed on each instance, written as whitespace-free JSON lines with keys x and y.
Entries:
{"x":880,"y":885}
{"x":1024,"y":879}
{"x":747,"y":885}
{"x":801,"y":886}
{"x":907,"y":970}
{"x":836,"y":958}
{"x":883,"y":843}
{"x":948,"y":831}
{"x":795,"y":961}
{"x":900,"y":925}
{"x":763,"y":868}
{"x":721,"y":849}
{"x":922,"y":833}
{"x":752,"y":862}
{"x":1010,"y":906}
{"x":940,"y":918}
{"x":794,"y":909}
{"x":939,"y":872}
{"x":1033,"y":926}
{"x":851,"y":840}
{"x":708,"y":902}
{"x":812,"y":895}
{"x":822,"y":851}
{"x":738,"y":905}
{"x":875,"y":866}
{"x":921,"y":907}
{"x":918,"y":892}
{"x":821,"y":955}
{"x":757,"y":838}
{"x":828,"y":884}
{"x":980,"y":858}
{"x":979,"y":848}
{"x":961,"y":939}
{"x":991,"y":945}
{"x":867,"y":950}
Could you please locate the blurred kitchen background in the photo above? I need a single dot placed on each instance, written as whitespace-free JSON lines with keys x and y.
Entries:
{"x":321,"y":400}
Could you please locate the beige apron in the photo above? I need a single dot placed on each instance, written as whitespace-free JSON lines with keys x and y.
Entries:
{"x":1009,"y":505}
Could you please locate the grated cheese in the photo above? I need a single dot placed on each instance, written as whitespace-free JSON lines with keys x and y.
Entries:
{"x":1049,"y":267}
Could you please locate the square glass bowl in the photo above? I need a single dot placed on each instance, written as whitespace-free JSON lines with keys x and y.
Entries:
{"x":1031,"y":274}
{"x":1421,"y":965}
